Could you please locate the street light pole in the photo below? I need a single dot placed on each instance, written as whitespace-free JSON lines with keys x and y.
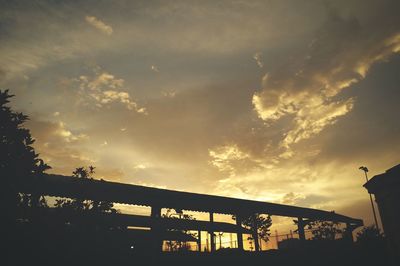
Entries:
{"x":365,"y":170}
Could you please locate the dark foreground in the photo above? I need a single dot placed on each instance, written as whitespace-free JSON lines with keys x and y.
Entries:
{"x":32,"y":244}
{"x":87,"y":256}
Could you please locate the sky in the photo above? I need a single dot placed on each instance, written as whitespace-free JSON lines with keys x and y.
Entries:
{"x":277,"y":101}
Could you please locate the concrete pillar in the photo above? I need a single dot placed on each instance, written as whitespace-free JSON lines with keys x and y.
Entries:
{"x":155,"y":212}
{"x":155,"y":228}
{"x":255,"y":233}
{"x":239,"y":233}
{"x":349,"y":232}
{"x":199,"y":241}
{"x":300,"y":225}
{"x":212,"y":236}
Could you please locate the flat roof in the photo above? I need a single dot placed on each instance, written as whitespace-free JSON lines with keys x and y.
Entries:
{"x":71,"y":187}
{"x":390,"y":180}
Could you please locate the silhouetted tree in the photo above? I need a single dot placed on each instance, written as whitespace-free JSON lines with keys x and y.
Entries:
{"x":178,"y":214}
{"x":19,"y":163}
{"x":370,"y":240}
{"x":325,"y":230}
{"x":77,"y":204}
{"x":263,"y":223}
{"x":369,"y":233}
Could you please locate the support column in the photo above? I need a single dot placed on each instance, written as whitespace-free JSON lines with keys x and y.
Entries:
{"x":255,"y":233}
{"x":300,"y":225}
{"x":349,"y":232}
{"x":155,"y":212}
{"x":239,"y":233}
{"x":155,"y":228}
{"x":212,"y":236}
{"x":199,"y":241}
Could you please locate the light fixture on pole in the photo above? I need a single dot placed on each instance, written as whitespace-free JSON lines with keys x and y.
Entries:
{"x":365,"y":170}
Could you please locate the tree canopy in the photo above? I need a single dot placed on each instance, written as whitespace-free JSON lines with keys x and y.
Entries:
{"x":324,"y":230}
{"x":178,"y":214}
{"x":263,"y":223}
{"x":82,"y":204}
{"x":369,"y":233}
{"x":19,"y":162}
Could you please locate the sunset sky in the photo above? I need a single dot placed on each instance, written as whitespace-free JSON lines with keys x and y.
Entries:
{"x":279,"y":101}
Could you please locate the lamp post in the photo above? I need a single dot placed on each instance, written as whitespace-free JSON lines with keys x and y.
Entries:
{"x":365,"y":170}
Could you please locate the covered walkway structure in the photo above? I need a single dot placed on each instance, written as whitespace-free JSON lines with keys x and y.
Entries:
{"x":156,"y":199}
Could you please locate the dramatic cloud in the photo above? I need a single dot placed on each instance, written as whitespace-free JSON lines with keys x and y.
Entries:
{"x":279,"y":100}
{"x":223,"y":157}
{"x":104,"y":89}
{"x":307,"y":91}
{"x":98,"y":24}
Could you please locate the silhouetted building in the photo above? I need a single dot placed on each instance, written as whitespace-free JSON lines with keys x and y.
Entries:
{"x":386,"y":188}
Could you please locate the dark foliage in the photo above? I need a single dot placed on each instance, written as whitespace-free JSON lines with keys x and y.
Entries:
{"x":369,"y":233}
{"x":262,"y":222}
{"x":370,"y":238}
{"x":19,"y":163}
{"x":178,"y":245}
{"x":83,"y":204}
{"x":324,"y":230}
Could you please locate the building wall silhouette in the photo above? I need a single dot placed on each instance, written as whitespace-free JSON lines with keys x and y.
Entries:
{"x":386,"y":188}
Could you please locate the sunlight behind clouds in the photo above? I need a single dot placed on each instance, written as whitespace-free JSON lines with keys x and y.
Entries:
{"x":268,"y":100}
{"x":308,"y":93}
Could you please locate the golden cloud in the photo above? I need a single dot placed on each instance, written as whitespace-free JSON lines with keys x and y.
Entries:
{"x":338,"y":57}
{"x":104,"y":88}
{"x":224,"y":156}
{"x":98,"y":24}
